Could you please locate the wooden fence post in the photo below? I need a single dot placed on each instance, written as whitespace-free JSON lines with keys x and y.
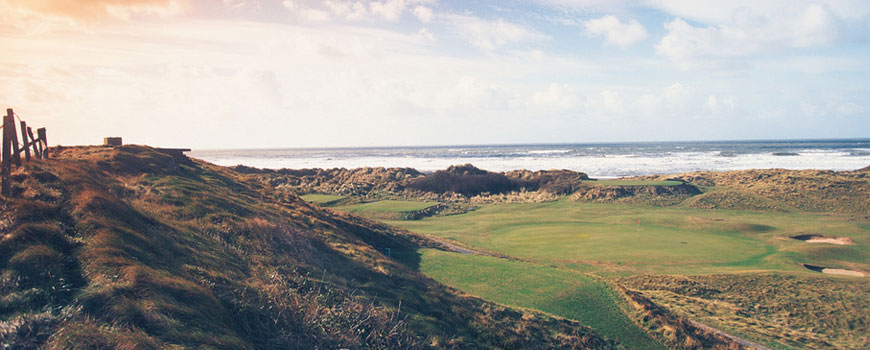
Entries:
{"x":13,"y":134}
{"x":24,"y":141}
{"x":6,"y":166}
{"x":41,"y":133}
{"x":33,"y":143}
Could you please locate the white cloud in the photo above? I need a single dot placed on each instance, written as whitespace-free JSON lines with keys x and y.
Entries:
{"x":368,"y":10}
{"x":747,"y":32}
{"x":424,"y":13}
{"x":349,"y":10}
{"x":587,"y":5}
{"x":557,"y":97}
{"x":426,"y":35}
{"x":305,"y":12}
{"x":671,"y":100}
{"x":715,"y":11}
{"x":616,"y":32}
{"x":607,"y":103}
{"x":723,"y":11}
{"x":716,"y":105}
{"x":492,"y":34}
{"x":834,"y":108}
{"x":389,"y":9}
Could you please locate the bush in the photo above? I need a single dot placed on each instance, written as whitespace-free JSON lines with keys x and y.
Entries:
{"x":466,"y":180}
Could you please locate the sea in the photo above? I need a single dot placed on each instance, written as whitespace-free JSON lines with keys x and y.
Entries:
{"x":598,"y":160}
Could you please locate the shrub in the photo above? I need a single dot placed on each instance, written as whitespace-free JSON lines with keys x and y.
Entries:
{"x":466,"y":180}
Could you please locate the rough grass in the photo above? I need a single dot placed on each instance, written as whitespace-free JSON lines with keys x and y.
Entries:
{"x":782,"y":310}
{"x":810,"y":190}
{"x":620,"y":182}
{"x":165,"y":253}
{"x":559,"y":292}
{"x":734,"y":200}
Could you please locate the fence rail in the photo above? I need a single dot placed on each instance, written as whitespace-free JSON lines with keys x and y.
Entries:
{"x":12,"y":149}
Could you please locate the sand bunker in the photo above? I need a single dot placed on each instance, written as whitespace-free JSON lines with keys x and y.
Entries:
{"x":832,"y":271}
{"x":817,"y":238}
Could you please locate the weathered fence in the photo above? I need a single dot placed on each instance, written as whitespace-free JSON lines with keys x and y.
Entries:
{"x":12,"y":149}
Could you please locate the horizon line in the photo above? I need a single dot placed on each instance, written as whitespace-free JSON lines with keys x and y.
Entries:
{"x":533,"y":144}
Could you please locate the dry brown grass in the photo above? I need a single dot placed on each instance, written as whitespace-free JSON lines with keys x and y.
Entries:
{"x":795,"y":311}
{"x":127,"y":248}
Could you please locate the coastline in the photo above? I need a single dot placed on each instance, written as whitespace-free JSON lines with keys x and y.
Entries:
{"x":598,"y":160}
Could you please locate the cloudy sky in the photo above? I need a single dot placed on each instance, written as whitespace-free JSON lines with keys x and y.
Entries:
{"x":304,"y":73}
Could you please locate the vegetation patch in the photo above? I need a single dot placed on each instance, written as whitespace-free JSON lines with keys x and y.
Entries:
{"x":465,"y":180}
{"x":621,"y":182}
{"x":734,"y":200}
{"x":669,"y":195}
{"x":783,"y":311}
{"x":126,"y":248}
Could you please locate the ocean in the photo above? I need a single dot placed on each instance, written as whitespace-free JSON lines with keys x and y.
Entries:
{"x":599,"y":160}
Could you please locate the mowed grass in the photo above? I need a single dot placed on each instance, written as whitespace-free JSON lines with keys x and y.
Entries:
{"x":387,"y":206}
{"x":566,"y":241}
{"x":321,"y":198}
{"x":625,"y":240}
{"x":617,"y":182}
{"x":560,"y":292}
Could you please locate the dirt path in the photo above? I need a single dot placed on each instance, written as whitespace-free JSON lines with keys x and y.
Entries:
{"x":740,"y":341}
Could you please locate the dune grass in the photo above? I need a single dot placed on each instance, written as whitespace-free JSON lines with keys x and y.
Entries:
{"x":560,"y":292}
{"x":619,"y":182}
{"x":783,"y":311}
{"x":127,"y":248}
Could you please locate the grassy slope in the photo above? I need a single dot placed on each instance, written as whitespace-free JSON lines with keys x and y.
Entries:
{"x":606,"y":239}
{"x":127,"y":248}
{"x":559,"y":292}
{"x":810,"y":190}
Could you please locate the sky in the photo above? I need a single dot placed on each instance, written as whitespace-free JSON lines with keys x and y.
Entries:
{"x":219,"y":74}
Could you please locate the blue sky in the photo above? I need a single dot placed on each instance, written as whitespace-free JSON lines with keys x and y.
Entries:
{"x":299,"y":73}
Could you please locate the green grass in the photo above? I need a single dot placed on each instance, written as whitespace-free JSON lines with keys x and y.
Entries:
{"x":633,"y":182}
{"x":388,"y":206}
{"x":607,"y":238}
{"x":747,"y":250}
{"x":322,"y":198}
{"x":560,"y":292}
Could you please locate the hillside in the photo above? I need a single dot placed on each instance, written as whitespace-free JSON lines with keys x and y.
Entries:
{"x":453,"y":184}
{"x":810,"y":190}
{"x":842,"y":192}
{"x":130,"y":248}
